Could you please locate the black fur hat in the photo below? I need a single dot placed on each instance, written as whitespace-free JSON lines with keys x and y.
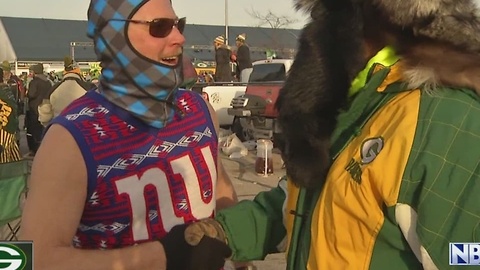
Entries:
{"x":331,"y":54}
{"x":453,"y":21}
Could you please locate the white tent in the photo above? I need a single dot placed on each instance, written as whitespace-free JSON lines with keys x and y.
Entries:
{"x":6,"y":49}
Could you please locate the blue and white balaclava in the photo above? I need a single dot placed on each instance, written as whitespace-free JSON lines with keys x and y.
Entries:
{"x":142,"y":86}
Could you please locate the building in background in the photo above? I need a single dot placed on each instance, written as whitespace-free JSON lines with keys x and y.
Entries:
{"x":24,"y":41}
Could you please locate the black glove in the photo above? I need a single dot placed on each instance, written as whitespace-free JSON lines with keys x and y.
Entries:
{"x":210,"y":249}
{"x":209,"y":254}
{"x":197,"y":246}
{"x":177,"y":250}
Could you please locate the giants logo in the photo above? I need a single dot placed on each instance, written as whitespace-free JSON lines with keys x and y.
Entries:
{"x":197,"y":182}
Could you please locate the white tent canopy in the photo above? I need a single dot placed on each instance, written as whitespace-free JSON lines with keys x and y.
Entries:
{"x":6,"y":49}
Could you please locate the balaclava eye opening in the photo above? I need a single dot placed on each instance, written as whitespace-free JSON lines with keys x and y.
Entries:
{"x":140,"y":85}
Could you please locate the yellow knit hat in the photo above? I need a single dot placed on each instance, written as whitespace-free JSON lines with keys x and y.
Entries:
{"x":242,"y":37}
{"x":220,"y":39}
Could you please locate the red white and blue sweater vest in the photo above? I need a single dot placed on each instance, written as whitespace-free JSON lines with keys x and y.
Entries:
{"x":142,"y":181}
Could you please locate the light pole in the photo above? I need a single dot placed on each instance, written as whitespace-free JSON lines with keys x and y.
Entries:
{"x":226,"y":22}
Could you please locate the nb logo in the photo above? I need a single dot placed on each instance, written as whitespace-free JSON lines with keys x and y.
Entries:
{"x":12,"y":257}
{"x":464,"y":254}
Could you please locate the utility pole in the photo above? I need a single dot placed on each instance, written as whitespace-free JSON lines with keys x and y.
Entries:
{"x":226,"y":22}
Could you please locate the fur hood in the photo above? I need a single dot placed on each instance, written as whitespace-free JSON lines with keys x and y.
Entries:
{"x":443,"y":48}
{"x":448,"y":47}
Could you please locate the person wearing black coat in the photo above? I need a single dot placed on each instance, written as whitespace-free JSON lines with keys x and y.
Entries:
{"x":39,"y":89}
{"x":223,"y":54}
{"x":243,"y":59}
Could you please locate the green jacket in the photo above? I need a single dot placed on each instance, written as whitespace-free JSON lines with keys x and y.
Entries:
{"x":394,"y":147}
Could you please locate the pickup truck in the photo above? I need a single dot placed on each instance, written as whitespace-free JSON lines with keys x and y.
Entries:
{"x":220,"y":94}
{"x":254,"y":112}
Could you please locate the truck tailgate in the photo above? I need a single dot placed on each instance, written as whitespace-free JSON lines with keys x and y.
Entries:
{"x":220,"y":98}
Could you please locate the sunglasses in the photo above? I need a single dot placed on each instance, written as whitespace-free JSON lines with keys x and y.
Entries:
{"x":162,"y":27}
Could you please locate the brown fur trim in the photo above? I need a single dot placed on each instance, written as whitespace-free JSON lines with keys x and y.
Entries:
{"x":305,"y":5}
{"x":317,"y":86}
{"x":453,"y":21}
{"x":438,"y":40}
{"x":433,"y":63}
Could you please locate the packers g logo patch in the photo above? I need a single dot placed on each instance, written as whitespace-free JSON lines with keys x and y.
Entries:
{"x":368,"y":152}
{"x":370,"y":149}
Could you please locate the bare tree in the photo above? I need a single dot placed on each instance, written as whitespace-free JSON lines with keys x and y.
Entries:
{"x":271,"y":19}
{"x":274,"y":21}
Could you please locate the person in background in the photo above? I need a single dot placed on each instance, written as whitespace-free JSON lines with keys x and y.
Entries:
{"x":190,"y":75}
{"x":379,"y":117}
{"x":53,"y":77}
{"x":16,"y":84}
{"x":242,"y":58}
{"x":9,"y":148}
{"x":71,"y":87}
{"x":39,"y":89}
{"x":127,"y":166}
{"x":223,"y":71}
{"x":14,"y":81}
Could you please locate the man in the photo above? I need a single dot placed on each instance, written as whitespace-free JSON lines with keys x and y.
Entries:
{"x":223,"y":54}
{"x":396,"y":179}
{"x":9,"y":149}
{"x":242,"y":58}
{"x":15,"y":82}
{"x":71,"y":87}
{"x":39,"y":89}
{"x":122,"y":165}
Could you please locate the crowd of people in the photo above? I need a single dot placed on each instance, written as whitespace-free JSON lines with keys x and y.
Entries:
{"x":39,"y":96}
{"x":379,"y":139}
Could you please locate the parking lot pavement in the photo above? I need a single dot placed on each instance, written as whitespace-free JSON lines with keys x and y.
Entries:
{"x":247,"y":184}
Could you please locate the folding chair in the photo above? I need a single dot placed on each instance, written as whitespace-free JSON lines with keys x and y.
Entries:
{"x":13,"y":190}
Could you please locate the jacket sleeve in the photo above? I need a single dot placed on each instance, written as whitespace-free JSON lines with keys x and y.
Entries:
{"x":255,"y":228}
{"x":32,"y":90}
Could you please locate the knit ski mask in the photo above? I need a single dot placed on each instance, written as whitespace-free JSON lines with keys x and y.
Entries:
{"x":142,"y":86}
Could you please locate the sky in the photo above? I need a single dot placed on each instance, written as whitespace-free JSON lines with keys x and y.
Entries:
{"x":211,"y":12}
